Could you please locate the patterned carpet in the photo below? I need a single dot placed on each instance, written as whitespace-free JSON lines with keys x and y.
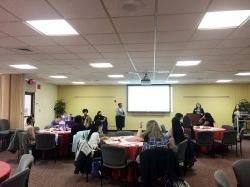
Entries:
{"x":61,"y":173}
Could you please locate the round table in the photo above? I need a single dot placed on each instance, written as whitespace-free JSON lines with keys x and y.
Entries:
{"x":5,"y":170}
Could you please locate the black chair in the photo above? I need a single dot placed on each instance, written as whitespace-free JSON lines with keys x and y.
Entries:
{"x":46,"y":142}
{"x":19,"y":179}
{"x":124,"y":133}
{"x":229,"y":139}
{"x":221,"y":180}
{"x":4,"y":133}
{"x":205,"y":139}
{"x":242,"y":172}
{"x":181,"y":154}
{"x":113,"y":157}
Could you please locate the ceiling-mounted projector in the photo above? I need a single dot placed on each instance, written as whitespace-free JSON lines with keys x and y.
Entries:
{"x":145,"y":80}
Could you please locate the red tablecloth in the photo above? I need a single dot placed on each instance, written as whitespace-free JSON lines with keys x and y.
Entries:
{"x":62,"y":138}
{"x":132,"y":147}
{"x":5,"y":170}
{"x":217,"y":134}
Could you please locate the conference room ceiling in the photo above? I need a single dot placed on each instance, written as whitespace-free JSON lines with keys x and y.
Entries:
{"x":149,"y":38}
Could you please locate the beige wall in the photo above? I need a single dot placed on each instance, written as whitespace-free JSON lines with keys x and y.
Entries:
{"x":45,"y":99}
{"x":217,"y":99}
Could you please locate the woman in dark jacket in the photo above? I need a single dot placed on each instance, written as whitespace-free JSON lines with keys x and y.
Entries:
{"x":188,"y":127}
{"x":177,"y":128}
{"x":77,"y":126}
{"x":103,"y":120}
{"x":207,"y":120}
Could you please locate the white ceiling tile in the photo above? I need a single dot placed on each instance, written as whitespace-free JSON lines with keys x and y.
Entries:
{"x":79,"y":8}
{"x":90,"y":55}
{"x":227,"y":51}
{"x":80,"y":48}
{"x":137,"y":37}
{"x":245,"y":51}
{"x":139,"y":47}
{"x":11,"y":42}
{"x":172,"y":46}
{"x":51,"y":49}
{"x":143,"y":60}
{"x":5,"y":16}
{"x":173,"y":36}
{"x":102,"y":38}
{"x":92,"y":26}
{"x":110,"y":48}
{"x":30,"y":9}
{"x":69,"y":40}
{"x":211,"y":34}
{"x":118,"y":8}
{"x":196,"y":52}
{"x":234,"y":43}
{"x":168,"y":53}
{"x":178,"y":22}
{"x":242,"y":32}
{"x":206,"y":44}
{"x":17,"y":29}
{"x":65,"y":56}
{"x":134,"y":24}
{"x":36,"y":40}
{"x":115,"y":55}
{"x":224,"y":5}
{"x":3,"y":34}
{"x":141,"y":54}
{"x":180,"y":7}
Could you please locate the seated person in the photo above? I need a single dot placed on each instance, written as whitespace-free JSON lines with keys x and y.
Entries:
{"x":198,"y":109}
{"x":103,"y":120}
{"x":176,"y":134}
{"x":188,"y":127}
{"x":29,"y":128}
{"x":77,"y":126}
{"x":207,"y":120}
{"x":56,"y":123}
{"x":152,"y":137}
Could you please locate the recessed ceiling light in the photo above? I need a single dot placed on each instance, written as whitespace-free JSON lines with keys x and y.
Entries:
{"x":58,"y":27}
{"x":172,"y":82}
{"x":23,"y":66}
{"x":123,"y":82}
{"x":177,"y":75}
{"x":58,"y":76}
{"x":188,"y":63}
{"x":78,"y":82}
{"x":223,"y":81}
{"x":101,"y":65}
{"x":243,"y":74}
{"x":224,"y":19}
{"x":116,"y":76}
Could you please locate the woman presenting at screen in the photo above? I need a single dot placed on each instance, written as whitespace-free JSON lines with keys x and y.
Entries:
{"x":120,"y":117}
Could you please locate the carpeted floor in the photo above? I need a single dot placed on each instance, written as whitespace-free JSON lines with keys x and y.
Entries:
{"x":61,"y":173}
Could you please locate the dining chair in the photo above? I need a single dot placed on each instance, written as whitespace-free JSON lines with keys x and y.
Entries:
{"x":19,"y":179}
{"x":181,"y":154}
{"x":242,"y":172}
{"x":24,"y":163}
{"x":205,"y":139}
{"x":113,"y":157}
{"x":229,"y":139}
{"x":46,"y":142}
{"x":4,"y":133}
{"x":221,"y":180}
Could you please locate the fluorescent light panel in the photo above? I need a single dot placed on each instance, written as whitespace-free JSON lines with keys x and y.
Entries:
{"x":177,"y":75}
{"x":23,"y":66}
{"x":172,"y":82}
{"x":78,"y":82}
{"x":188,"y":63}
{"x":116,"y":76}
{"x":243,"y":74}
{"x":224,"y":19}
{"x":223,"y":81}
{"x":123,"y":82}
{"x":58,"y":27}
{"x":101,"y":65}
{"x":58,"y":76}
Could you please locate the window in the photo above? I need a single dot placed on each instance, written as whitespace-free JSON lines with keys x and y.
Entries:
{"x":28,"y":104}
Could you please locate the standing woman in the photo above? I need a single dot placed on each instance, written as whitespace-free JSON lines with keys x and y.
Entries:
{"x":120,"y":117}
{"x":198,"y":109}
